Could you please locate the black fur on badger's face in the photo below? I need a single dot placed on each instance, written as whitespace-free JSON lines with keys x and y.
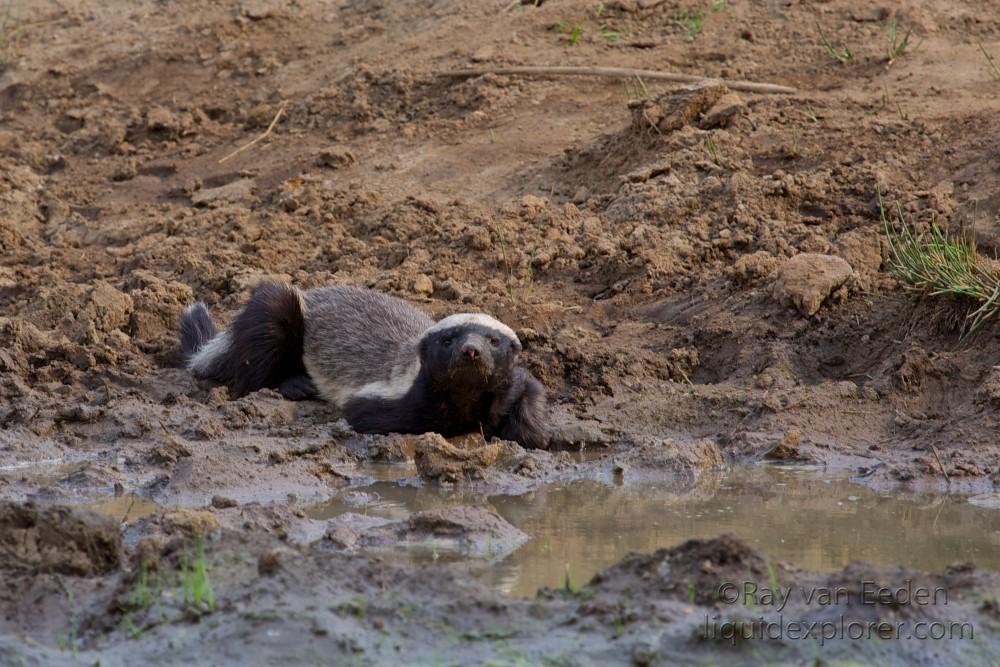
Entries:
{"x":470,"y":355}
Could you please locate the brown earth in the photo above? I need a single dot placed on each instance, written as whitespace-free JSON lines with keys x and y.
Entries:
{"x":674,"y":265}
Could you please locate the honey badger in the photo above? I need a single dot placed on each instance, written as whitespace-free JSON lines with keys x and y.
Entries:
{"x":388,"y":366}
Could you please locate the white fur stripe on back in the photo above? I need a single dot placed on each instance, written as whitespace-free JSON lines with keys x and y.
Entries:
{"x":202,"y":359}
{"x":395,"y":387}
{"x":479,"y":319}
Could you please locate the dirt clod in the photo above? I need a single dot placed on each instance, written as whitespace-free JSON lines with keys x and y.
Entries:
{"x":237,"y":192}
{"x":442,"y":460}
{"x":806,"y":280}
{"x":58,"y":539}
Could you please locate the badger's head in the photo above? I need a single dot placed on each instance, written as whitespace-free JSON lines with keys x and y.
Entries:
{"x":469,"y":352}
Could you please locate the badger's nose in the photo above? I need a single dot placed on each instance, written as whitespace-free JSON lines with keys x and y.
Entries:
{"x":471,"y":351}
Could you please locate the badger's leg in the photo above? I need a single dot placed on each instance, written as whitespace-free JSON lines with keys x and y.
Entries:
{"x":267,"y":339}
{"x":522,"y":415}
{"x":299,"y":388}
{"x":382,"y":415}
{"x":262,"y":347}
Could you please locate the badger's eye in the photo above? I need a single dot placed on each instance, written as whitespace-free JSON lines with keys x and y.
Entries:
{"x":494,"y":341}
{"x":445,"y":342}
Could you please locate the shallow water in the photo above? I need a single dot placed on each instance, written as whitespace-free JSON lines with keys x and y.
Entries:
{"x":816,"y":519}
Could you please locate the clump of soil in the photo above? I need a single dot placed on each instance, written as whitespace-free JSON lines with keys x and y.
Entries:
{"x":58,"y":539}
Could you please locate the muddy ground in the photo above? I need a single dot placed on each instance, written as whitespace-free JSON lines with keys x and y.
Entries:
{"x":698,"y":275}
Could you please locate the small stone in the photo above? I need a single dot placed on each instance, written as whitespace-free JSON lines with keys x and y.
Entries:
{"x":533,"y":205}
{"x":724,"y":112}
{"x":188,"y":522}
{"x":217,"y":396}
{"x":159,"y":119}
{"x":238,"y":191}
{"x":170,"y":452}
{"x":806,"y":280}
{"x":336,"y":157}
{"x":787,"y":448}
{"x":268,"y":563}
{"x":257,"y":10}
{"x":111,"y":307}
{"x":483,"y":54}
{"x":863,"y":251}
{"x":423,"y":285}
{"x":581,"y":195}
{"x":222,"y":502}
{"x":673,"y":110}
{"x":125,"y":171}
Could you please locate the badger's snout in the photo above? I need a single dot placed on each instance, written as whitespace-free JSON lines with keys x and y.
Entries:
{"x":473,"y":350}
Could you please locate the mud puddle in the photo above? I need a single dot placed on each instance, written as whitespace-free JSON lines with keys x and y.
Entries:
{"x":813,"y":518}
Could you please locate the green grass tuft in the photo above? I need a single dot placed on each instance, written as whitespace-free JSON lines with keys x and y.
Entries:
{"x":897,"y":45}
{"x":692,"y":20}
{"x":195,"y":581}
{"x":575,"y":33}
{"x":842,"y":55}
{"x":713,"y":151}
{"x":940,"y":265}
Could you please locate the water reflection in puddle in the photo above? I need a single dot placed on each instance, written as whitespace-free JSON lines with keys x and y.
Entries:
{"x":812,"y":518}
{"x":126,"y":508}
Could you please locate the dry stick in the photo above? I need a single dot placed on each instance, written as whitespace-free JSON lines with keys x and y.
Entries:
{"x":129,"y":510}
{"x":943,"y":471}
{"x":260,"y":138}
{"x":619,"y":72}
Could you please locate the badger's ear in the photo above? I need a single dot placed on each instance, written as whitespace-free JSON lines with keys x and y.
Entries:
{"x":516,"y":346}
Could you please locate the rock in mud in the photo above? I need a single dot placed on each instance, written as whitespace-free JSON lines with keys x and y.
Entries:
{"x":690,"y":572}
{"x":157,"y":306}
{"x":472,"y":530}
{"x":58,"y":539}
{"x":423,"y":285}
{"x":725,"y":112}
{"x":160,"y":119}
{"x":568,"y":431}
{"x":222,"y":502}
{"x":336,"y":157}
{"x":862,"y":250}
{"x":170,"y":452}
{"x":110,"y":307}
{"x":673,"y":110}
{"x":788,"y":448}
{"x":237,"y":192}
{"x":189,"y":523}
{"x":653,"y":457}
{"x":806,"y":280}
{"x":442,"y":460}
{"x":754,"y":267}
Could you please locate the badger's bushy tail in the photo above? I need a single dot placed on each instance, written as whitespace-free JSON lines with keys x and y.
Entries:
{"x":196,"y":329}
{"x":262,"y":347}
